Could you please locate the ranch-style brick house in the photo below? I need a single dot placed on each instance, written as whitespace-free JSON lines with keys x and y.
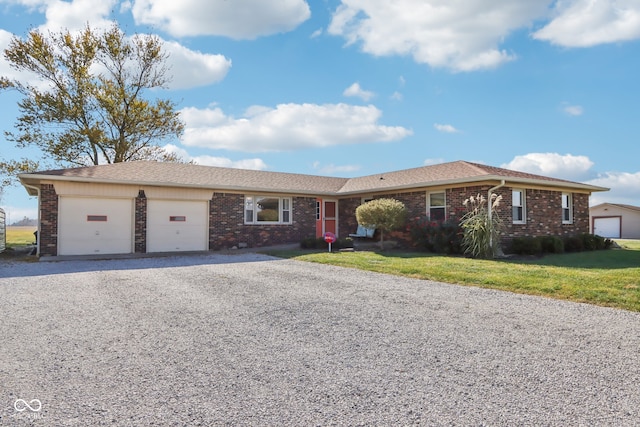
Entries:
{"x":147,"y":207}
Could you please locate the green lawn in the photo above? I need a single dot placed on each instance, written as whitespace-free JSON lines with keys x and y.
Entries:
{"x":608,"y":278}
{"x":20,"y":236}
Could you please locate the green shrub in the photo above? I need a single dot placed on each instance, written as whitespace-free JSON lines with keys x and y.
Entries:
{"x":573,"y":244}
{"x":526,"y":246}
{"x":444,"y":237}
{"x":551,"y":244}
{"x":589,"y":242}
{"x":382,"y":214}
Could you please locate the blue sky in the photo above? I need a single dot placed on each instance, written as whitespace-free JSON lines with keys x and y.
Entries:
{"x":357,"y":87}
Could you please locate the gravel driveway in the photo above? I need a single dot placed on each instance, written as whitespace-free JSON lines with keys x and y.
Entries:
{"x":253,"y":340}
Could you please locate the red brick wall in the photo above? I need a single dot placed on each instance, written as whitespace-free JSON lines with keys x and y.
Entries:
{"x":347,"y":223}
{"x":544,"y":214}
{"x":48,"y":236}
{"x":227,"y":228}
{"x":543,"y":210}
{"x":140,"y":236}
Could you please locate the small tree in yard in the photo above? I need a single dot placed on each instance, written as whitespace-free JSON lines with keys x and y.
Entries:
{"x":481,"y":227}
{"x":382,"y":214}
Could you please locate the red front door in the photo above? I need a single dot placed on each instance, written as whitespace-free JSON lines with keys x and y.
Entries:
{"x":330,"y":216}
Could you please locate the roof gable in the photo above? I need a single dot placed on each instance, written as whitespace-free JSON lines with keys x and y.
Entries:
{"x":618,"y":205}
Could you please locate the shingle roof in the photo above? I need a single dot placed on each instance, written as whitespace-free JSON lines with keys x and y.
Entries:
{"x":188,"y":175}
{"x":620,"y":205}
{"x":460,"y":171}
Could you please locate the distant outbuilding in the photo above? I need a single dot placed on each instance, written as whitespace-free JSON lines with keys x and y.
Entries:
{"x":615,"y":221}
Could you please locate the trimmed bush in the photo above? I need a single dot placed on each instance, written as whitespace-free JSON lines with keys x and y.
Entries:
{"x":551,"y":244}
{"x":526,"y":246}
{"x":436,"y":236}
{"x":573,"y":244}
{"x":384,"y":215}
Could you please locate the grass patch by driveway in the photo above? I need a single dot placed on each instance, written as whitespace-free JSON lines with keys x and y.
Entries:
{"x":608,"y":278}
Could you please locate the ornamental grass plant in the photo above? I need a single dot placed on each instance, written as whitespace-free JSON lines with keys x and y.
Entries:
{"x":481,"y":227}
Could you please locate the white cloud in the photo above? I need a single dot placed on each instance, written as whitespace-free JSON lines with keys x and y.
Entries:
{"x":445,"y":128}
{"x":573,"y":110}
{"x":205,"y":160}
{"x":190,"y":68}
{"x":357,"y":91}
{"x":237,"y":19}
{"x":462,"y":37}
{"x":287,"y":127}
{"x":332,"y":169}
{"x":584,"y":23}
{"x":625,"y":188}
{"x":553,"y":165}
{"x":75,"y":15}
{"x":429,"y":162}
{"x":397,"y":96}
{"x":316,"y":33}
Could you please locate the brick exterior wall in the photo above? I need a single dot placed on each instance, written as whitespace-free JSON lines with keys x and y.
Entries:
{"x":347,"y":223}
{"x":48,"y":236}
{"x":544,"y":214}
{"x":140,"y":236}
{"x":543,"y":211}
{"x":227,"y":228}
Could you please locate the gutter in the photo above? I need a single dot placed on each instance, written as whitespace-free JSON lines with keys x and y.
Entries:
{"x":37,"y":191}
{"x":489,"y":206}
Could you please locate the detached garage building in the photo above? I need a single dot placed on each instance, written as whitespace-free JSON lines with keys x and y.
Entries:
{"x":615,"y":221}
{"x":152,"y":207}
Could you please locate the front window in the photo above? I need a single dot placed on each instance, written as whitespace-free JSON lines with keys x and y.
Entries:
{"x":518,"y":206}
{"x":566,"y":208}
{"x":267,"y":210}
{"x":436,"y":206}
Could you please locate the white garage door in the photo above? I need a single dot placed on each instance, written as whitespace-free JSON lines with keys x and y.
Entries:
{"x":177,"y":225}
{"x":607,"y":227}
{"x":89,"y":226}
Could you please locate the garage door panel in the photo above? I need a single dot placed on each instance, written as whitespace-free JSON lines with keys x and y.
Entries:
{"x":607,"y":227}
{"x":95,"y":226}
{"x":177,"y":225}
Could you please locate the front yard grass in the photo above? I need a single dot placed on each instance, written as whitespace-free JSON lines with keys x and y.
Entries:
{"x":608,"y":278}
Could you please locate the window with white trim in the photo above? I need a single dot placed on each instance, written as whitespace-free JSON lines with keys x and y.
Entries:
{"x":267,"y":210}
{"x":518,"y":206}
{"x":567,"y":208}
{"x":436,"y":206}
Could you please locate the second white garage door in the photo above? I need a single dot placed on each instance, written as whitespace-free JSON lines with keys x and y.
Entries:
{"x":177,"y":225}
{"x":607,"y":227}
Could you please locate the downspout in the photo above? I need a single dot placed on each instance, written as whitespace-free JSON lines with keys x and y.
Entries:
{"x":37,"y":189}
{"x":489,"y":206}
